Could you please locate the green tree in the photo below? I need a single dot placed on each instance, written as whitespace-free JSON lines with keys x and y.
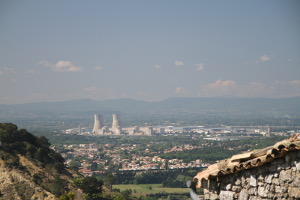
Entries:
{"x":127,"y":193}
{"x":109,"y":181}
{"x":71,"y":195}
{"x":75,"y":164}
{"x":58,"y":186}
{"x":91,"y":185}
{"x":94,"y":166}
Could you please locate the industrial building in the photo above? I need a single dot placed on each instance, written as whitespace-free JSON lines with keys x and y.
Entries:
{"x":99,"y":129}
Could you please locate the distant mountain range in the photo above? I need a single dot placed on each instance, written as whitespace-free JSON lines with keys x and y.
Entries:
{"x":199,"y":106}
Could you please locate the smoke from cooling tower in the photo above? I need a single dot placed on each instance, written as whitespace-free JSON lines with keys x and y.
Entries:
{"x":98,"y":123}
{"x":116,"y":123}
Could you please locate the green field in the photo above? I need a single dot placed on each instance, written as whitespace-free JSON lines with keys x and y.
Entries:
{"x":143,"y":189}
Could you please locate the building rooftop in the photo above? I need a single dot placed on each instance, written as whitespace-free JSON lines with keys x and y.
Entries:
{"x":248,"y":160}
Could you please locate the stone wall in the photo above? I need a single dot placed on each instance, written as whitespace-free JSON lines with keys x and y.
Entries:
{"x":279,"y":179}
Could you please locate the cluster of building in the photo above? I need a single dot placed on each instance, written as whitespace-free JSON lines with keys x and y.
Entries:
{"x":116,"y":128}
{"x":134,"y":162}
{"x":157,"y":163}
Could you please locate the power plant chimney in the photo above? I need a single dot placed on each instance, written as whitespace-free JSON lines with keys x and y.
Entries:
{"x":116,"y":123}
{"x":98,"y":124}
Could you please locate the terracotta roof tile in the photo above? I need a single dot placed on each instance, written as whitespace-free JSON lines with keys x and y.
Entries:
{"x":248,"y":160}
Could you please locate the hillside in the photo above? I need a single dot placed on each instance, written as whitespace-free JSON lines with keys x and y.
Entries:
{"x":29,"y":169}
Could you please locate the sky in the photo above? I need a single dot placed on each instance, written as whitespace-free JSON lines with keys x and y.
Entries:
{"x":148,"y":50}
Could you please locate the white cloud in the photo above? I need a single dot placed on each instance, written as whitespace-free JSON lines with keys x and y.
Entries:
{"x":199,"y":67}
{"x":157,"y":66}
{"x":222,"y":84}
{"x":181,"y":91}
{"x":231,"y":88}
{"x":66,"y":66}
{"x":263,"y":58}
{"x":179,"y":63}
{"x":98,"y":68}
{"x":61,"y":66}
{"x":295,"y":82}
{"x":45,"y":64}
{"x":7,"y":70}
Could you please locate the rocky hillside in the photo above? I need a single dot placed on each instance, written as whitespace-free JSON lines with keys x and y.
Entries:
{"x":30,"y":169}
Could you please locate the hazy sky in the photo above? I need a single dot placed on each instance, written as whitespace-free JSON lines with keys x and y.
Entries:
{"x":148,"y":50}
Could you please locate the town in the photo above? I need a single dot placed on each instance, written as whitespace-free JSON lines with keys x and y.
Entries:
{"x":114,"y":154}
{"x":124,"y":158}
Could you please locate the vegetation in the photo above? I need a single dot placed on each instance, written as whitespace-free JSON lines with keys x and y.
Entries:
{"x":142,"y":189}
{"x":16,"y":143}
{"x":219,"y":150}
{"x":22,"y":142}
{"x":155,"y":191}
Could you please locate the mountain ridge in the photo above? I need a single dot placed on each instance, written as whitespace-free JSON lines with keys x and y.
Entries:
{"x":201,"y":106}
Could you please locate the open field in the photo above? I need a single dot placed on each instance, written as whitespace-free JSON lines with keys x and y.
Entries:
{"x":143,"y":189}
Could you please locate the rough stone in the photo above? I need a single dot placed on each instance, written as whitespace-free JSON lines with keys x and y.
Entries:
{"x":270,"y":195}
{"x":286,"y":176}
{"x":243,"y":194}
{"x":252,"y":191}
{"x":226,"y":195}
{"x":296,"y":181}
{"x":260,"y":178}
{"x":253,"y":181}
{"x":294,"y":192}
{"x":206,"y":196}
{"x":243,"y":181}
{"x":228,"y":187}
{"x":272,"y":188}
{"x":275,"y":181}
{"x":297,"y":165}
{"x":254,"y":198}
{"x":214,"y":196}
{"x":238,"y":182}
{"x":261,"y":183}
{"x":263,"y":191}
{"x":280,"y":189}
{"x":236,"y":189}
{"x":269,"y":178}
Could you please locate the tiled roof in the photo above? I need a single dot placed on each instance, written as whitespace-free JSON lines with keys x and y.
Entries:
{"x":248,"y":160}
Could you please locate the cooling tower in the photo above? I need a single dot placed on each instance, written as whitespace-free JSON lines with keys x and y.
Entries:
{"x":98,"y":124}
{"x":116,"y":123}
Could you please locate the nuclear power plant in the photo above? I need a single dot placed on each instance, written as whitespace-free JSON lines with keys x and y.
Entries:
{"x":99,"y":129}
{"x":116,"y":124}
{"x":116,"y":127}
{"x":98,"y":124}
